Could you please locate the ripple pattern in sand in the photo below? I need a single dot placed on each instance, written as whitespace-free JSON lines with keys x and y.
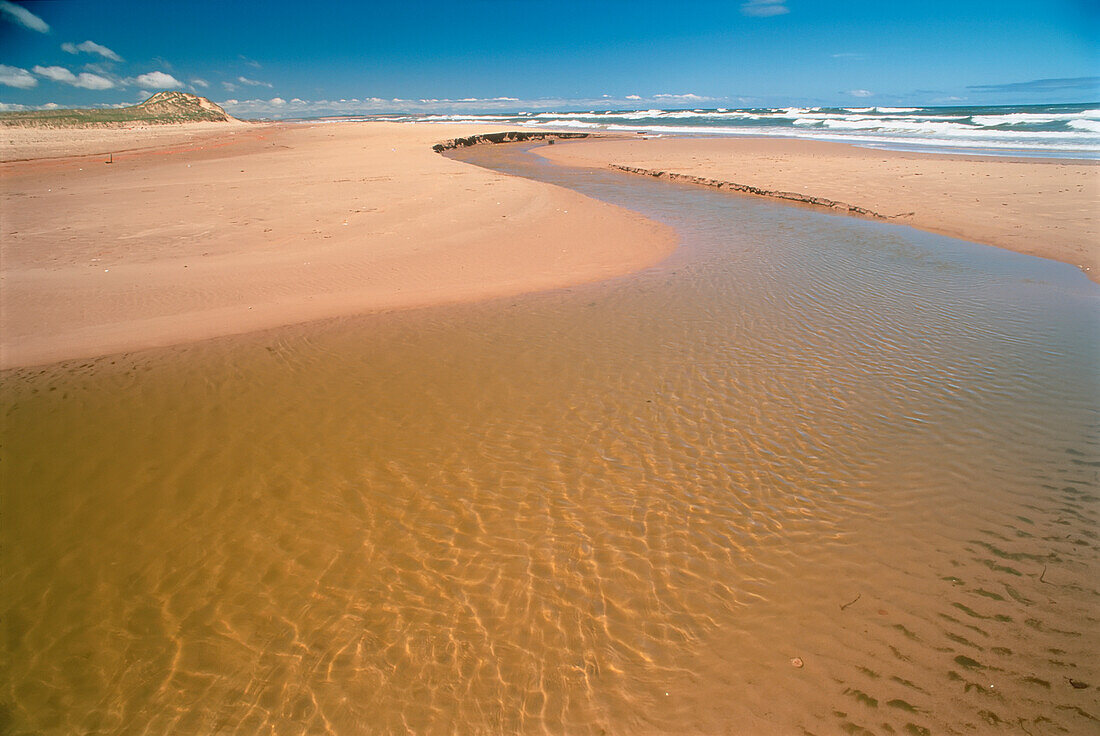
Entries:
{"x":622,"y":508}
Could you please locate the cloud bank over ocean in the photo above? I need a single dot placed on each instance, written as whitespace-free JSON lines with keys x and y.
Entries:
{"x":297,"y":107}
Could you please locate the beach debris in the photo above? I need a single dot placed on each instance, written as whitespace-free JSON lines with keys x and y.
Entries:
{"x":845,"y":606}
{"x":509,"y":137}
{"x":1077,"y":684}
{"x":797,"y":662}
{"x":746,"y":189}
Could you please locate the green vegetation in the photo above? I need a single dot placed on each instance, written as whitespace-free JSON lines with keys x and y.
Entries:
{"x":163,"y":108}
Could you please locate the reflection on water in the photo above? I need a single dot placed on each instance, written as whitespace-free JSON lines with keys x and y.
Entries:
{"x":624,"y":507}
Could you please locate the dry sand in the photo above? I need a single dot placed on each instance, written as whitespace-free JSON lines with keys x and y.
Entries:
{"x":202,"y":231}
{"x":1042,"y":207}
{"x":29,"y":142}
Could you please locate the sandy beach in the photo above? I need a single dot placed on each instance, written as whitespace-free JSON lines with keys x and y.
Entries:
{"x":200,"y":231}
{"x":18,"y":143}
{"x":405,"y":368}
{"x":1041,"y":207}
{"x":809,"y":474}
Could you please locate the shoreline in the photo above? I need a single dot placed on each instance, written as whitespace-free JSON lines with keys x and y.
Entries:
{"x":273,"y":225}
{"x":115,"y":276}
{"x":1037,"y":206}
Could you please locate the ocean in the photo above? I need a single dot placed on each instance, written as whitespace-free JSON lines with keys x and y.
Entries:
{"x":1062,"y":131}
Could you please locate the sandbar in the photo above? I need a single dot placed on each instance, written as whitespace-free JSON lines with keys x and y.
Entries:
{"x":1041,"y":207}
{"x":192,"y":232}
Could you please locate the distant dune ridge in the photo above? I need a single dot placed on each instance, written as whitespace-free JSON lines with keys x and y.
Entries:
{"x":163,"y":108}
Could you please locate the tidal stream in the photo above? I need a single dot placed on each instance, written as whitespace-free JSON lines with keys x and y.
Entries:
{"x":812,"y":474}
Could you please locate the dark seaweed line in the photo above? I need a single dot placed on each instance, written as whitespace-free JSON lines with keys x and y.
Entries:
{"x":512,"y":136}
{"x":746,"y":189}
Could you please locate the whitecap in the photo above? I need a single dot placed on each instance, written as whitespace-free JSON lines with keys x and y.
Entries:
{"x":1093,"y":126}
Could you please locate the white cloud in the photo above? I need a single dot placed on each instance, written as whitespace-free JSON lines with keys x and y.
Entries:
{"x":229,"y":86}
{"x":13,"y":76}
{"x":847,"y":55}
{"x":14,"y":107}
{"x":860,"y":93}
{"x":297,"y":107}
{"x":200,"y":82}
{"x":253,"y":82}
{"x":56,"y":73}
{"x":764,"y":8}
{"x":688,"y":96}
{"x":157,"y":80}
{"x":6,"y":107}
{"x":84,"y":80}
{"x":91,"y":47}
{"x":13,"y":13}
{"x":93,"y":81}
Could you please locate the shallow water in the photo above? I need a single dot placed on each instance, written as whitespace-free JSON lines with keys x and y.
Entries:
{"x":623,"y":507}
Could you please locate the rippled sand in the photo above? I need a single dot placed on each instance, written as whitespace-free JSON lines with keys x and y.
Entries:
{"x":620,"y":508}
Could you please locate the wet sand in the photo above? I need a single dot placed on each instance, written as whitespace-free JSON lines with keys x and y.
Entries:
{"x":1043,"y":207}
{"x":626,"y":507}
{"x":219,"y":231}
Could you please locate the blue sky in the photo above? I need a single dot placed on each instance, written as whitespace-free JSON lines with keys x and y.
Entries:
{"x":296,"y":58}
